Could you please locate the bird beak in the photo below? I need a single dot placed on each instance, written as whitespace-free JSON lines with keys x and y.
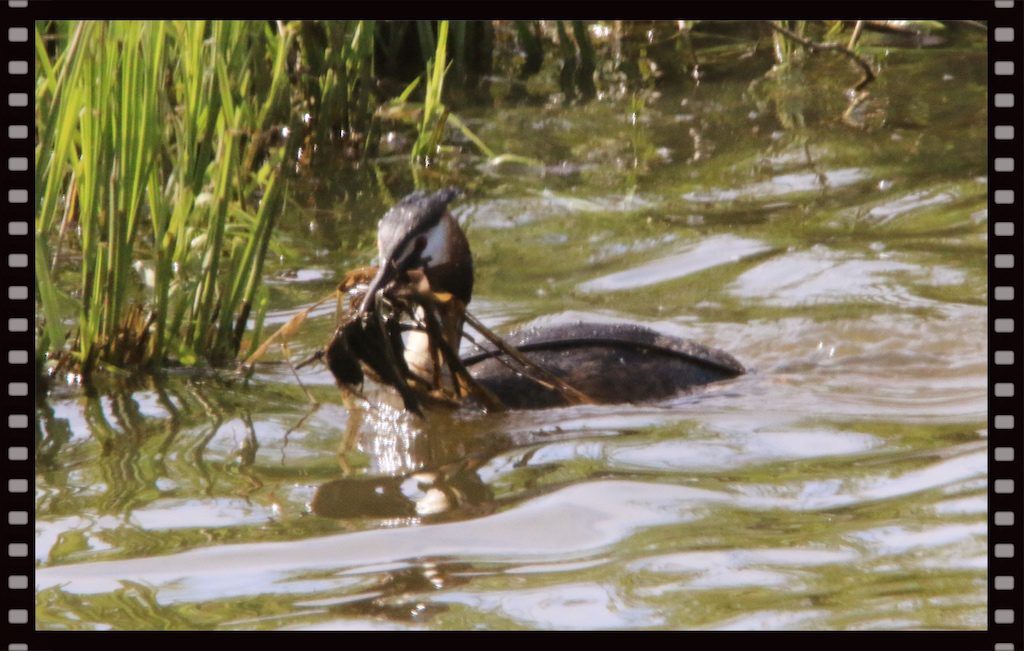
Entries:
{"x":384,"y":275}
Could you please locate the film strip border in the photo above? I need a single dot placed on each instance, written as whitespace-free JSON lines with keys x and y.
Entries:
{"x":1006,"y":319}
{"x":1006,"y":381}
{"x":19,"y":324}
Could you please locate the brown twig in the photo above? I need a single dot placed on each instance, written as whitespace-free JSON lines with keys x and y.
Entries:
{"x":317,"y":356}
{"x":285,"y":331}
{"x":504,"y":362}
{"x":869,"y":75}
{"x":295,"y":372}
{"x":441,"y":314}
{"x":400,"y":384}
{"x":434,"y":306}
{"x":571,"y":394}
{"x":857,"y":28}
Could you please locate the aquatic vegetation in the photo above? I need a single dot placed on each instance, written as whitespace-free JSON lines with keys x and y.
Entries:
{"x":164,"y":149}
{"x":845,"y":266}
{"x":156,"y":185}
{"x":162,"y":156}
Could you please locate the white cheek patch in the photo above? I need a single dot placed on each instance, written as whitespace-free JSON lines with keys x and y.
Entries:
{"x":436,"y":247}
{"x":437,"y":243}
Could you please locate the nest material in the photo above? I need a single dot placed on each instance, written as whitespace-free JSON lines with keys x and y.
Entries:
{"x":369,"y":342}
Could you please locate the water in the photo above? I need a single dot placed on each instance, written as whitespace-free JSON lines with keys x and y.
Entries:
{"x":841,"y":484}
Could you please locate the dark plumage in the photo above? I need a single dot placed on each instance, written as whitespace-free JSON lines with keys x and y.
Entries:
{"x":609,"y":363}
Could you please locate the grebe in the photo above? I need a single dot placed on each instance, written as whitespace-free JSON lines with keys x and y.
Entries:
{"x":608,"y":363}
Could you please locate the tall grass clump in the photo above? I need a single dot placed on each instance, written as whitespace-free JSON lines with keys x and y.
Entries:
{"x":337,"y":81}
{"x":163,"y":149}
{"x":435,"y":115}
{"x":155,"y":184}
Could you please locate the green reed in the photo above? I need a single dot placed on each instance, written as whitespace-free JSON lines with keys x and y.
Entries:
{"x":784,"y":48}
{"x":434,"y":113}
{"x":151,"y":146}
{"x":164,"y":149}
{"x":162,"y":155}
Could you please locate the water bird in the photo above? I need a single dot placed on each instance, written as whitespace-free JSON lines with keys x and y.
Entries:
{"x":549,"y":366}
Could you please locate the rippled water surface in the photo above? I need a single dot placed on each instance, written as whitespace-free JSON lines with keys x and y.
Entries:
{"x":840,"y":484}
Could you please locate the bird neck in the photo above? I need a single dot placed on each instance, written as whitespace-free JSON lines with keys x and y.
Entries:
{"x":418,"y":354}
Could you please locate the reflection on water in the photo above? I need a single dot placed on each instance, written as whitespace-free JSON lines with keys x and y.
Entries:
{"x":840,"y":484}
{"x":780,"y":186}
{"x":707,"y":253}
